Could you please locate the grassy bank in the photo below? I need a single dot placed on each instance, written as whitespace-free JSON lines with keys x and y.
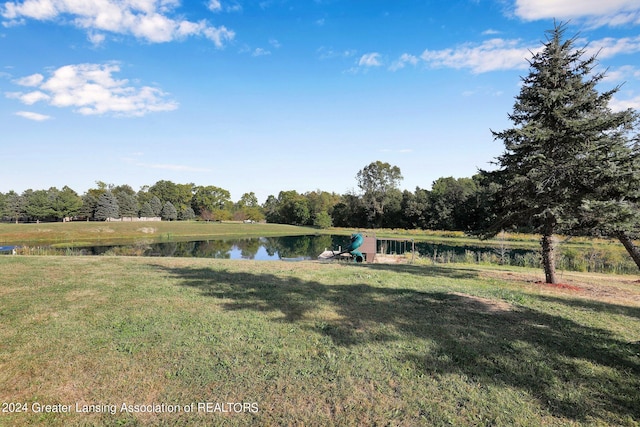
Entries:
{"x":313,"y":344}
{"x":92,"y":233}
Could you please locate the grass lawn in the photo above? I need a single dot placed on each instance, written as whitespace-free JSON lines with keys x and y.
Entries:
{"x":217,"y":342}
{"x":94,"y":233}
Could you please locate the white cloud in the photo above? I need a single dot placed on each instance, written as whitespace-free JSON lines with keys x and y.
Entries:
{"x":329,"y":53}
{"x":404,"y":59}
{"x":619,"y":74}
{"x":32,"y":80}
{"x":214,"y":5}
{"x":33,"y":116}
{"x":609,"y":47}
{"x":623,"y":104}
{"x":370,"y":60}
{"x":491,"y":55}
{"x":260,"y":52}
{"x":275,"y":43}
{"x":149,"y":20}
{"x":610,"y":12}
{"x":90,"y":89}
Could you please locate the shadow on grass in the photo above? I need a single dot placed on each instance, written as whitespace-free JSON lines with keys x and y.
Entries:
{"x":590,"y":305}
{"x":573,"y":370}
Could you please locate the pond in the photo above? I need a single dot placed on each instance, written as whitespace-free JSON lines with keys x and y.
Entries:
{"x":261,"y":248}
{"x":283,"y":248}
{"x":294,"y":248}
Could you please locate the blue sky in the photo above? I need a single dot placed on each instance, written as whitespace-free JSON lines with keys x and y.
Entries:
{"x":275,"y":95}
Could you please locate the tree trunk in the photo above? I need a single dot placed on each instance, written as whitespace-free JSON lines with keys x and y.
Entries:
{"x":549,"y":250}
{"x":629,"y":246}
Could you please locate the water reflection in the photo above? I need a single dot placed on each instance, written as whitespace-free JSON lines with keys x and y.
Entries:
{"x":263,"y":248}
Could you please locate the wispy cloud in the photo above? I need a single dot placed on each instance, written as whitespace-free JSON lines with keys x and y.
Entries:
{"x":33,"y":116}
{"x":609,"y":46}
{"x":404,"y":59}
{"x":150,"y":20}
{"x":91,"y":89}
{"x":623,"y":104}
{"x":597,"y":12}
{"x":330,"y":53}
{"x":370,"y":60}
{"x":491,"y":55}
{"x":214,"y":5}
{"x":260,"y":52}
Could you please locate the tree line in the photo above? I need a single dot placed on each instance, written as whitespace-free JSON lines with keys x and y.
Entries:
{"x":449,"y":205}
{"x":164,"y":199}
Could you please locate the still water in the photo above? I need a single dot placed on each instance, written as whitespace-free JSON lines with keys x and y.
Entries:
{"x":284,"y":248}
{"x":261,"y":249}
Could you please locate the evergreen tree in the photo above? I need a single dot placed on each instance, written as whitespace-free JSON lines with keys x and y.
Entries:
{"x":563,"y":130}
{"x":156,"y":206}
{"x":169,"y":212}
{"x":14,"y":206}
{"x":107,"y":207}
{"x":88,"y":208}
{"x":39,"y":204}
{"x":66,"y":203}
{"x":186,"y":214}
{"x":128,"y":204}
{"x":146,"y":211}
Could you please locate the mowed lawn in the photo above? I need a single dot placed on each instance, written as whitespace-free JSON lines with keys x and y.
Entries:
{"x":168,"y":341}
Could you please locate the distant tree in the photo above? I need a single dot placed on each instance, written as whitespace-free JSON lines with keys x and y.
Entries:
{"x":271,"y":210}
{"x":39,"y":204}
{"x":393,"y":216}
{"x":179,"y":195}
{"x":248,"y":208}
{"x":210,"y":198}
{"x":102,"y":187}
{"x":128,"y":203}
{"x":88,"y":208}
{"x":322,"y":220}
{"x":416,"y":208}
{"x":186,"y":214}
{"x":376,"y":181}
{"x":14,"y":206}
{"x":321,"y":205}
{"x":143,"y":195}
{"x":107,"y":207}
{"x":156,"y":206}
{"x":350,"y":212}
{"x":293,"y":208}
{"x":169,"y":212}
{"x":451,"y":203}
{"x":66,"y":203}
{"x":248,"y":200}
{"x":3,"y":206}
{"x":558,"y":154}
{"x":146,"y":211}
{"x":120,"y":189}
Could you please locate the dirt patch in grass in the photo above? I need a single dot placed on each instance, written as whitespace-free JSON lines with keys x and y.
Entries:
{"x":483,"y":305}
{"x":595,"y":286}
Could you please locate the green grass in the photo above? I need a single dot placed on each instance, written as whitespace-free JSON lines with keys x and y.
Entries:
{"x":316,"y":344}
{"x":92,"y":233}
